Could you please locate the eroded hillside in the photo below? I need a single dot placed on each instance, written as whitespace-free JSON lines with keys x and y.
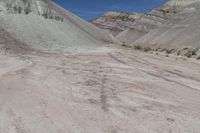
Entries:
{"x":43,"y":25}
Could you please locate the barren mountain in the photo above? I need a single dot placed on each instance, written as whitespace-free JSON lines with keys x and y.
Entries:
{"x":43,"y":25}
{"x":172,"y":25}
{"x":124,"y":23}
{"x":181,"y":29}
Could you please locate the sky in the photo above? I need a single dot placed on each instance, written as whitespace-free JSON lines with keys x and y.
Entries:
{"x":90,"y":9}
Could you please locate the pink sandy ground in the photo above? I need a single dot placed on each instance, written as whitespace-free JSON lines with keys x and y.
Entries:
{"x":104,"y":91}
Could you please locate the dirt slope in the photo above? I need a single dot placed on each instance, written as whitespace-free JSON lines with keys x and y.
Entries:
{"x":142,"y":26}
{"x":130,"y":35}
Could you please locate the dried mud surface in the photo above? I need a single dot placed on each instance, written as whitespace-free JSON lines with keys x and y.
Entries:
{"x":112,"y":91}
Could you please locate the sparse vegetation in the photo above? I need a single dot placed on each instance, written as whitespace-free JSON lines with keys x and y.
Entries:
{"x":45,"y":15}
{"x":162,"y":50}
{"x":194,"y":51}
{"x":187,"y":52}
{"x":137,"y":47}
{"x":125,"y":45}
{"x":157,"y":49}
{"x":178,"y":53}
{"x":190,"y":53}
{"x":147,"y":49}
{"x":169,"y":51}
{"x":26,"y":9}
{"x":51,"y":15}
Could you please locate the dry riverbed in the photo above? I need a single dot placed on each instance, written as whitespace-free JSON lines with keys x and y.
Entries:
{"x":104,"y":91}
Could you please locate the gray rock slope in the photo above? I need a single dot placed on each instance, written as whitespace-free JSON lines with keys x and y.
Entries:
{"x":43,"y":25}
{"x":130,"y":35}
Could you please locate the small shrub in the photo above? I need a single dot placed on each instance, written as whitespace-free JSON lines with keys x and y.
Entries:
{"x":147,"y":49}
{"x":169,"y":51}
{"x":15,"y":9}
{"x":194,"y":51}
{"x":19,"y":10}
{"x":27,"y":10}
{"x":191,"y":52}
{"x":162,"y":50}
{"x":137,"y":47}
{"x":125,"y":45}
{"x":179,"y":52}
{"x":188,"y":54}
{"x":157,"y":49}
{"x":45,"y":15}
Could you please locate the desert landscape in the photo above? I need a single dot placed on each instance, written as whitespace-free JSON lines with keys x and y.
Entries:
{"x":65,"y":75}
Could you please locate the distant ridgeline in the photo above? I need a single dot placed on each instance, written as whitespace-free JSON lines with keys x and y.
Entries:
{"x":174,"y":6}
{"x":27,"y":6}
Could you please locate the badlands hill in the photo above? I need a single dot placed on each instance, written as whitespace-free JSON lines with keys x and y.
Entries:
{"x":122,"y":25}
{"x":43,"y":25}
{"x":173,"y":25}
{"x":181,"y":30}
